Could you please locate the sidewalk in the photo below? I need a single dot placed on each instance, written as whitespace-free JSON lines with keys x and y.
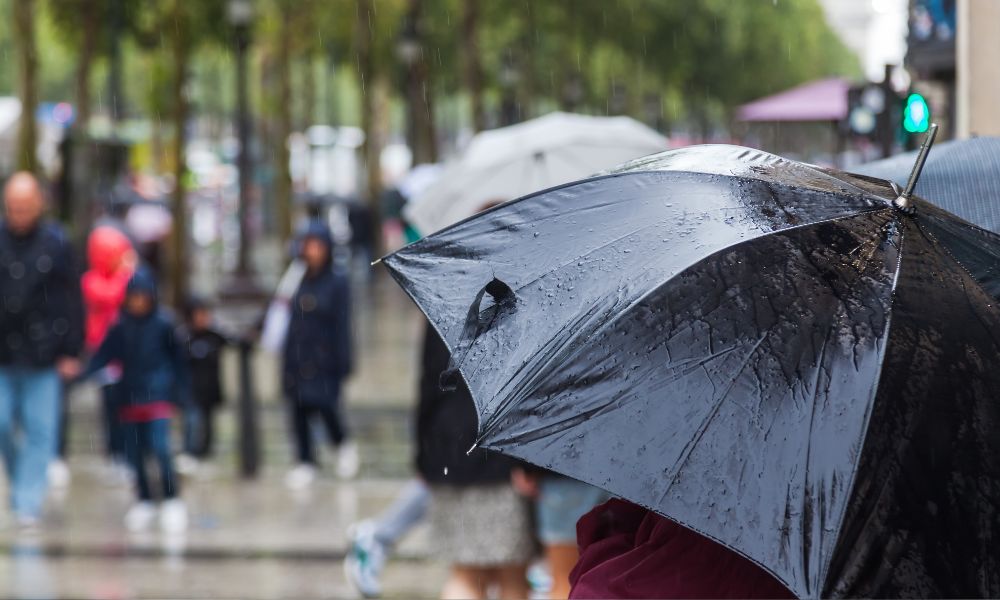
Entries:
{"x":245,"y":540}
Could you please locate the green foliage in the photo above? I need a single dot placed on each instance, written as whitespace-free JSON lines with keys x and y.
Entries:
{"x":701,"y":58}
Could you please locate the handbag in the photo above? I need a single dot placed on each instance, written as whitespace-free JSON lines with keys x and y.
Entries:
{"x":279,"y":311}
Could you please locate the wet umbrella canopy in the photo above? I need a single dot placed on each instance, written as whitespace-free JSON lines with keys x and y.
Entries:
{"x":766,"y":352}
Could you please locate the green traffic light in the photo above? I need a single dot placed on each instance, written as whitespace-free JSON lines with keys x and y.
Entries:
{"x":916,"y":115}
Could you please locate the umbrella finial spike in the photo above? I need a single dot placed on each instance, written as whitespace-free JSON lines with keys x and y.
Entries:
{"x":902,"y":202}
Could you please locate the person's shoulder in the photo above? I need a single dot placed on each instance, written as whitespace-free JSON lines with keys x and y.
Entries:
{"x":218,"y":336}
{"x":182,"y":331}
{"x":340,"y":276}
{"x":54,"y":234}
{"x":166,"y":317}
{"x":54,"y":231}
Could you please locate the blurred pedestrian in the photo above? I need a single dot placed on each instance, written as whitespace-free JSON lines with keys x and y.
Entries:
{"x":154,"y":378}
{"x":204,"y":344}
{"x":318,"y":356}
{"x":559,"y":503}
{"x":112,"y":261}
{"x":371,"y":541}
{"x":479,"y":522}
{"x":42,"y":333}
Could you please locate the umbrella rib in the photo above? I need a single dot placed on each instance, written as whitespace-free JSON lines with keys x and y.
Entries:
{"x":703,"y":427}
{"x":812,"y":423}
{"x":864,"y":436}
{"x":684,"y":368}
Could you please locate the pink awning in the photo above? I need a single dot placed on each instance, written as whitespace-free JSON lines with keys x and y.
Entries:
{"x":823,"y":100}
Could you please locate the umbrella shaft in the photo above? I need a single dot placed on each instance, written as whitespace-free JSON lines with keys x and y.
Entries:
{"x":921,"y":159}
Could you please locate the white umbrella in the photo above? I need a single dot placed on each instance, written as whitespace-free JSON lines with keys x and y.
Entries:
{"x":510,"y":162}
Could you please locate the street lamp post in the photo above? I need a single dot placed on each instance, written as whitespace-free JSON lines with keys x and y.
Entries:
{"x":242,"y":286}
{"x":408,"y":51}
{"x":240,"y":14}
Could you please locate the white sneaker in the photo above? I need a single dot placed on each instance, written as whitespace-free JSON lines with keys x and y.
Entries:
{"x":58,"y":474}
{"x":140,"y":516}
{"x":348,"y":460}
{"x":186,"y":464}
{"x":301,"y":477}
{"x":173,"y":516}
{"x":365,"y":559}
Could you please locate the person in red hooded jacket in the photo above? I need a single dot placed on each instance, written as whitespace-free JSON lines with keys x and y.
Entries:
{"x":112,"y":261}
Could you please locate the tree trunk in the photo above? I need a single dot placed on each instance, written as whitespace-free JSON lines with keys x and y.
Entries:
{"x":91,"y":26}
{"x":473,"y":65}
{"x":526,"y":108}
{"x":24,"y":44}
{"x":283,"y":181}
{"x":308,"y":92}
{"x":364,"y":38}
{"x":79,"y":171}
{"x":420,"y":101}
{"x":179,"y":237}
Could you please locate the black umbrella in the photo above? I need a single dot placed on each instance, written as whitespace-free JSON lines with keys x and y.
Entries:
{"x":961,"y":176}
{"x":768,"y":353}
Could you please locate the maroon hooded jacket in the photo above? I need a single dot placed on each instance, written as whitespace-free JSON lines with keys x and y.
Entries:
{"x":627,"y":551}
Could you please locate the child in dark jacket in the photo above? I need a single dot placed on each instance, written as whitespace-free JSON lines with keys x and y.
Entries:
{"x":154,"y":378}
{"x":204,"y":343}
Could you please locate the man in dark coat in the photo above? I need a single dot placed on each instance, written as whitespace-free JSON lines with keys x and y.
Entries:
{"x":41,"y":333}
{"x":317,"y":356}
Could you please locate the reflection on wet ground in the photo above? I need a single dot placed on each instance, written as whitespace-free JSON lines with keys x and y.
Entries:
{"x":246,"y":540}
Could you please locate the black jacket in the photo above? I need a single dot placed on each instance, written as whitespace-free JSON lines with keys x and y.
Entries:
{"x":41,"y":316}
{"x":317,"y":354}
{"x":204,"y":349}
{"x":446,"y":427}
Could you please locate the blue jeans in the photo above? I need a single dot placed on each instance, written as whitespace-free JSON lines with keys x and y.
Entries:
{"x":408,"y":510}
{"x":153,"y":438}
{"x":193,"y":428}
{"x":29,"y":433}
{"x":561,"y":502}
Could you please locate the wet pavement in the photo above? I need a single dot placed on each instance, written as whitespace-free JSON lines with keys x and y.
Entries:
{"x":246,"y":539}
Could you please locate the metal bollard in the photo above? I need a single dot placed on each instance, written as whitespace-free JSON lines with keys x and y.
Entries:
{"x":248,"y":430}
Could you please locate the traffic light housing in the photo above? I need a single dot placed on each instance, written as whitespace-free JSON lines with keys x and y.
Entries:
{"x":865,"y":107}
{"x":885,"y":117}
{"x":916,"y":114}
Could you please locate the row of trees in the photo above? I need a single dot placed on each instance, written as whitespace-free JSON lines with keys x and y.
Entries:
{"x":423,"y":68}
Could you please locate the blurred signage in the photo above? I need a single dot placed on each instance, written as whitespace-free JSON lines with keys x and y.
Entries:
{"x":58,"y":113}
{"x":931,"y":41}
{"x":932,"y":20}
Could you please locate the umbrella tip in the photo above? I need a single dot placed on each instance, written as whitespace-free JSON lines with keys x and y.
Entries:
{"x":469,"y":451}
{"x":375,"y":262}
{"x":903,"y":201}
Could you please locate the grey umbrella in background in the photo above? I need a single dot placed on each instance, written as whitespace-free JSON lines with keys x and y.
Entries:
{"x":962,"y":177}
